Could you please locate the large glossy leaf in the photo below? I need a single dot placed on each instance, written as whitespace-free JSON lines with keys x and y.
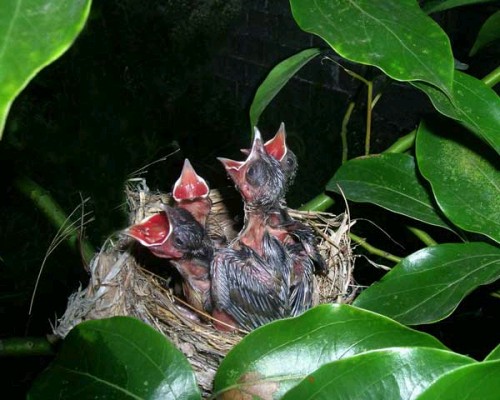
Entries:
{"x":275,"y":357}
{"x":441,"y":5}
{"x":390,"y":181}
{"x":116,"y":358}
{"x":471,"y":382}
{"x":489,"y":32}
{"x":396,"y":373}
{"x":394,"y":35}
{"x":472,"y":103}
{"x":494,"y":355}
{"x":33,"y":33}
{"x":429,"y":284}
{"x":276,"y":79}
{"x":464,"y":177}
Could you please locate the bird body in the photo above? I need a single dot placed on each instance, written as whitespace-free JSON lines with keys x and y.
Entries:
{"x":248,"y":290}
{"x":299,"y":239}
{"x":250,"y":279}
{"x":174,"y":234}
{"x":299,"y":242}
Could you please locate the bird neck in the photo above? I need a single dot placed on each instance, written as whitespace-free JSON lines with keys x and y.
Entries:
{"x":193,"y":268}
{"x":199,"y":208}
{"x":253,"y":230}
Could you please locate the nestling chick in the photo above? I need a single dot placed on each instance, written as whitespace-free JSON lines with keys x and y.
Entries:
{"x":174,"y":234}
{"x":251,"y":278}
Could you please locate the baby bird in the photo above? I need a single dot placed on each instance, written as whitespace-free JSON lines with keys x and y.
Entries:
{"x":191,"y":192}
{"x":298,"y":238}
{"x":251,"y":278}
{"x":174,"y":234}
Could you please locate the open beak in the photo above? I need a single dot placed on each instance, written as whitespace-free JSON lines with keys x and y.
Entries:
{"x":275,"y":147}
{"x":152,"y":231}
{"x":236,"y":169}
{"x":233,"y":168}
{"x":190,"y":185}
{"x":257,"y":146}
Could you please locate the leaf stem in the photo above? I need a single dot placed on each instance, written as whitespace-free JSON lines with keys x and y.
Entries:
{"x":495,"y":294}
{"x":54,"y":213}
{"x":368,"y":117}
{"x":369,"y":107}
{"x":320,"y":203}
{"x":374,"y":250}
{"x":422,"y":235}
{"x":404,"y":143}
{"x":343,"y":132}
{"x":27,"y":346}
{"x":492,"y":78}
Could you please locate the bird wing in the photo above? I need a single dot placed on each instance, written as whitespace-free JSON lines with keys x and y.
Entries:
{"x":302,"y":280}
{"x":244,"y":286}
{"x":305,"y":236}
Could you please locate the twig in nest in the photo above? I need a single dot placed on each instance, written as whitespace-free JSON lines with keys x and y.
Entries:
{"x":143,"y":170}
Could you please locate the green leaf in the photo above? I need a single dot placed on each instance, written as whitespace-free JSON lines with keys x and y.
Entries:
{"x":489,"y":32}
{"x":34,"y":33}
{"x":275,"y":357}
{"x":464,"y":178}
{"x":396,"y":373}
{"x":440,"y":5}
{"x":393,"y":35}
{"x":389,"y":180}
{"x":471,"y":382}
{"x":472,"y":103}
{"x":494,"y":355}
{"x":119,"y":358}
{"x":276,"y":79}
{"x":429,"y":284}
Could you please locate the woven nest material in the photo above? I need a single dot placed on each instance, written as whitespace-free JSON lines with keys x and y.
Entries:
{"x":121,"y":284}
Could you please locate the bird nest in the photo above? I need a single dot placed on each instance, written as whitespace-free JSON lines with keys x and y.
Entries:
{"x":122,"y":282}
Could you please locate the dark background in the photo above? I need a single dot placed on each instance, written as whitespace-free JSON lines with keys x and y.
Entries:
{"x":146,"y":78}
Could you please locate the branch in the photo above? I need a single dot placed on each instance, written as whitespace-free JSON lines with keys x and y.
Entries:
{"x":492,"y":78}
{"x":404,"y":143}
{"x":29,"y":346}
{"x":343,"y":132}
{"x":422,"y":235}
{"x":374,"y":250}
{"x":320,"y":203}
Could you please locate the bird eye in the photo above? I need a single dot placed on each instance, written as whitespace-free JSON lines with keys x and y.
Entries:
{"x":251,"y":175}
{"x":251,"y":171}
{"x":179,"y":241}
{"x":289,"y":162}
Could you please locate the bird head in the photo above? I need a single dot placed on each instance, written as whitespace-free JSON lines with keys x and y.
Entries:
{"x":277,"y":148}
{"x":259,"y":178}
{"x":172,"y":233}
